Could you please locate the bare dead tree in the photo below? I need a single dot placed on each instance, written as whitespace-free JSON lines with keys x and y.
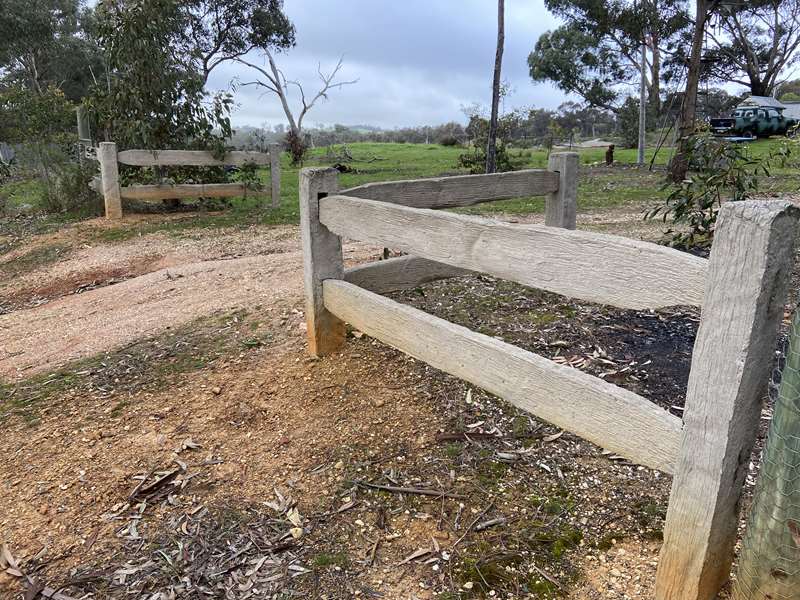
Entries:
{"x":491,"y":147}
{"x":274,"y":81}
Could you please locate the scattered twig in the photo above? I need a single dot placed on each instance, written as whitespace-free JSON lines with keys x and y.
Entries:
{"x":472,"y":525}
{"x":407,"y":490}
{"x":465,"y":436}
{"x":491,"y":523}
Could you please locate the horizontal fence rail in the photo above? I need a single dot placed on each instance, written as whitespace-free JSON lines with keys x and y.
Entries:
{"x":460,"y":190}
{"x":189,"y":190}
{"x":113,"y":193}
{"x":589,"y":266}
{"x":596,"y":410}
{"x":191,"y":158}
{"x":401,"y":273}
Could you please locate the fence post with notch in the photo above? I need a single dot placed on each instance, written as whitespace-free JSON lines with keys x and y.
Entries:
{"x":322,"y":259}
{"x":749,"y":268}
{"x":561,"y":206}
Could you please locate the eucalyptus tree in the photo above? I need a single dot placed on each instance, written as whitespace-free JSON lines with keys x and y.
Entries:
{"x":596,"y":52}
{"x":45,"y":43}
{"x":218,"y":31}
{"x":755,"y":44}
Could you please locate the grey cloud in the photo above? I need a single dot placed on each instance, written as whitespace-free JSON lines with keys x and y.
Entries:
{"x":417,"y":61}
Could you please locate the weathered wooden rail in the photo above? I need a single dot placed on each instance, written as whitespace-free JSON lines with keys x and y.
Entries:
{"x":113,"y":193}
{"x":740,"y":290}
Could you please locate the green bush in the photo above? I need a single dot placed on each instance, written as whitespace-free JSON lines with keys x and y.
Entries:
{"x":719,"y":171}
{"x":68,"y":189}
{"x":449,"y":140}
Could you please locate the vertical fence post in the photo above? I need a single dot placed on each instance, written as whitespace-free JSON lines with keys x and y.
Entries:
{"x":109,"y":176}
{"x":744,"y":300}
{"x":275,"y":173}
{"x":561,"y":206}
{"x":322,"y":259}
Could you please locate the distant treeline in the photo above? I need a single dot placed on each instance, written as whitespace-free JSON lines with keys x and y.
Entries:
{"x":522,"y":126}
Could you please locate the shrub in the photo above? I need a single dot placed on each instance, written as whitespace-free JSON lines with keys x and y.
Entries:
{"x":297,"y":146}
{"x":720,"y":171}
{"x":449,"y":140}
{"x":67,"y":190}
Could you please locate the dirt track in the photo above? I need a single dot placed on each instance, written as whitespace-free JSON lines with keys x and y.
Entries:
{"x":170,"y":284}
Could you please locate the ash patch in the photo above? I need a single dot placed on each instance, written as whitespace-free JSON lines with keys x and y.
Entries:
{"x":647,"y":352}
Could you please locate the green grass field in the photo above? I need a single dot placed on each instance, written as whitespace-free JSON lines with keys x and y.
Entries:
{"x":622,"y":185}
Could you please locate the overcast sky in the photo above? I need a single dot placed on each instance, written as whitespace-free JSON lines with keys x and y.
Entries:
{"x":417,"y":61}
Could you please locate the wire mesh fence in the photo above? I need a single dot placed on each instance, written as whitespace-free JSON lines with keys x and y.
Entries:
{"x":769,"y":563}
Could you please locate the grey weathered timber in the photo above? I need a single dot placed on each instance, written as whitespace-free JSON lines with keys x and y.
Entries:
{"x":322,"y":259}
{"x":744,"y":300}
{"x":598,"y":411}
{"x":401,"y":273}
{"x":109,"y":174}
{"x":185,"y":190}
{"x":275,"y":173}
{"x":561,"y":206}
{"x":197,"y":158}
{"x":589,"y":266}
{"x":461,"y":190}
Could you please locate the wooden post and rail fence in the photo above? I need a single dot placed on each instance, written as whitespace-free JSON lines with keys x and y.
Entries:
{"x":113,"y":193}
{"x":740,"y":289}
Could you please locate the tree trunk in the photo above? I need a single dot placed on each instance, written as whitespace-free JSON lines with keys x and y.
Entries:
{"x":491,"y":147}
{"x":654,"y":92}
{"x":680,"y":162}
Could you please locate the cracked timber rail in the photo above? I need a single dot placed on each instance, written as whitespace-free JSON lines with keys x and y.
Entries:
{"x":740,"y":289}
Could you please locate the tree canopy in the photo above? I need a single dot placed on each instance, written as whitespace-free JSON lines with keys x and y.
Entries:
{"x":45,"y":43}
{"x":755,"y":45}
{"x":597,"y":50}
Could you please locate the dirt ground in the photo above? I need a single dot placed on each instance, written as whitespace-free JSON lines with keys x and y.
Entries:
{"x":115,"y":472}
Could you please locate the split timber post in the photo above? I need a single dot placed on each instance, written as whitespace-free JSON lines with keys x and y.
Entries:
{"x":322,"y":259}
{"x":744,"y":300}
{"x":109,"y":176}
{"x":561,"y":206}
{"x":275,"y":173}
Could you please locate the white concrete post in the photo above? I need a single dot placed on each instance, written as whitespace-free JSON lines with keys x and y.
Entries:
{"x":109,"y":175}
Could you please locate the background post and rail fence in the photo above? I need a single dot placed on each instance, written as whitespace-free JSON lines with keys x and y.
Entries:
{"x":740,"y":290}
{"x":113,"y":193}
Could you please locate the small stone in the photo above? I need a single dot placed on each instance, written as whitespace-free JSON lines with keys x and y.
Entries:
{"x":616,"y":573}
{"x":339,"y":465}
{"x":380,"y":402}
{"x":216,"y":391}
{"x":43,"y":509}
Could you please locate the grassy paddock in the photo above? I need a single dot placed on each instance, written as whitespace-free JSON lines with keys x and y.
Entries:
{"x":600,"y":187}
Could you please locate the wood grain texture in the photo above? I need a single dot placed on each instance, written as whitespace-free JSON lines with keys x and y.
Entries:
{"x":275,"y":174}
{"x":561,"y":206}
{"x":196,"y":158}
{"x":600,"y":412}
{"x":751,"y":260}
{"x":185,"y":190}
{"x":589,"y":266}
{"x":461,"y":190}
{"x":109,"y":176}
{"x":401,"y":273}
{"x":322,"y":259}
